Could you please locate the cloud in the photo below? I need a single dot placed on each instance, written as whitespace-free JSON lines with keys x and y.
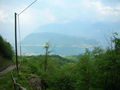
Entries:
{"x":29,"y":20}
{"x":34,"y":18}
{"x":105,"y":10}
{"x":57,"y":3}
{"x":84,"y":10}
{"x":64,"y":11}
{"x":110,"y":1}
{"x":98,"y":11}
{"x":3,"y":16}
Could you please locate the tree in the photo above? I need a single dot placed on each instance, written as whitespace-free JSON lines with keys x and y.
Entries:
{"x":116,"y":42}
{"x":64,"y":78}
{"x":107,"y":68}
{"x":84,"y":72}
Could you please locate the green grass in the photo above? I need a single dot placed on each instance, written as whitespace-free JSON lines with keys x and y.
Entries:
{"x":22,"y":79}
{"x":6,"y":82}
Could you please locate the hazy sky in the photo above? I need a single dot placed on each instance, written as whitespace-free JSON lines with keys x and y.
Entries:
{"x":45,"y":12}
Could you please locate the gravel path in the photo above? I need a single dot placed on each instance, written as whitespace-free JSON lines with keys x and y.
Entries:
{"x":10,"y":68}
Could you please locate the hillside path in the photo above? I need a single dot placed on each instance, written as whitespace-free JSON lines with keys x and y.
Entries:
{"x":8,"y":69}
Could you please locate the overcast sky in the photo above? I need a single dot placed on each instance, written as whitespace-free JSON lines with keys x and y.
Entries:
{"x":45,"y":12}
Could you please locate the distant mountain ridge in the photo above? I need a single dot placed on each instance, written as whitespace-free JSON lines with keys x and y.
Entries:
{"x":99,"y":31}
{"x":63,"y":44}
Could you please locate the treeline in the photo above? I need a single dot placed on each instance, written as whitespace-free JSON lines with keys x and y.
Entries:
{"x":6,"y":50}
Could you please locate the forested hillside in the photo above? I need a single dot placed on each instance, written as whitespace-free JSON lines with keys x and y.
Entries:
{"x":6,"y":54}
{"x":5,"y":49}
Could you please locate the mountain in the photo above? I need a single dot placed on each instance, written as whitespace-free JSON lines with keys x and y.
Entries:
{"x":59,"y":43}
{"x":100,"y":31}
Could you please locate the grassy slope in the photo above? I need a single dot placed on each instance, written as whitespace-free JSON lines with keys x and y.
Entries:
{"x":6,"y":82}
{"x":26,"y":71}
{"x":74,"y":58}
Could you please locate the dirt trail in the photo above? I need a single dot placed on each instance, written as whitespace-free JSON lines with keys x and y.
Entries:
{"x":10,"y":68}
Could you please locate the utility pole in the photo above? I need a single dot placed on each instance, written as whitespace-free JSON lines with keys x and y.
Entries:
{"x":16,"y":55}
{"x":46,"y":62}
{"x":16,"y":51}
{"x":46,"y":55}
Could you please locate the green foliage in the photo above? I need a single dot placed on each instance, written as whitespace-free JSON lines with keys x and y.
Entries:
{"x":107,"y":73}
{"x":84,"y":72}
{"x":6,"y":82}
{"x":74,"y":58}
{"x":116,"y":41}
{"x":5,"y":49}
